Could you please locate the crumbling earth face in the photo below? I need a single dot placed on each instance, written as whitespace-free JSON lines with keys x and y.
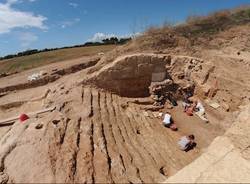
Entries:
{"x":131,"y":75}
{"x":100,"y":131}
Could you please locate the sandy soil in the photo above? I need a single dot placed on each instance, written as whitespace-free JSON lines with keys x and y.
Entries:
{"x":92,"y":137}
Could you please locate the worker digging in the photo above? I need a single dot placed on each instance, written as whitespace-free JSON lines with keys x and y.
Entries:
{"x":161,"y":95}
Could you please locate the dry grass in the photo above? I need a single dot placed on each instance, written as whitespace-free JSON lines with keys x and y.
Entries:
{"x":197,"y":30}
{"x":27,"y":62}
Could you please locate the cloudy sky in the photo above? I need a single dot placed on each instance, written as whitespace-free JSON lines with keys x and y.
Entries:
{"x":29,"y":24}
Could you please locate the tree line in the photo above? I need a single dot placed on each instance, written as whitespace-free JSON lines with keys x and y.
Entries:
{"x":108,"y":41}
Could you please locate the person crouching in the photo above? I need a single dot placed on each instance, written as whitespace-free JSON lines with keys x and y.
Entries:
{"x":168,"y":122}
{"x":187,"y":143}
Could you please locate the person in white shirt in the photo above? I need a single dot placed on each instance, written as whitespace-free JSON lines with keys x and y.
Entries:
{"x":200,"y":108}
{"x":168,"y":122}
{"x":187,"y":143}
{"x":200,"y":111}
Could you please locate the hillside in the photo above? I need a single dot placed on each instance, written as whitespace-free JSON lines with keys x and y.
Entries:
{"x":196,"y":31}
{"x":93,"y":119}
{"x":36,"y":60}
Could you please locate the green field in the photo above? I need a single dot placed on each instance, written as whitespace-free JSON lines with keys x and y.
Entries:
{"x":32,"y":61}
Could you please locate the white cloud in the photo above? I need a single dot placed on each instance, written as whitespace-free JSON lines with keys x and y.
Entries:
{"x":10,"y":2}
{"x":69,"y":23}
{"x":11,"y":18}
{"x":131,"y":35}
{"x":74,"y":5}
{"x":98,"y":37}
{"x":27,"y":39}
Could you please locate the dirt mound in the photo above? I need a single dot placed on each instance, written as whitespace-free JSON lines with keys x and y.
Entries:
{"x":196,"y":33}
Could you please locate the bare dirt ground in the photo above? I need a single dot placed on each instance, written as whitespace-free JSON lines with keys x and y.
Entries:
{"x":226,"y":160}
{"x":49,"y":69}
{"x":95,"y":135}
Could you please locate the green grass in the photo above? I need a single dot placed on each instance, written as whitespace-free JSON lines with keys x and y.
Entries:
{"x":36,"y":60}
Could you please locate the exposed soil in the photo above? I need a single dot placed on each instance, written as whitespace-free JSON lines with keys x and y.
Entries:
{"x":51,"y":76}
{"x":93,"y":139}
{"x":100,"y":131}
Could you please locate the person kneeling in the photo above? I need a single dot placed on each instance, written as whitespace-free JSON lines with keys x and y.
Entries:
{"x":168,"y":122}
{"x":187,"y":143}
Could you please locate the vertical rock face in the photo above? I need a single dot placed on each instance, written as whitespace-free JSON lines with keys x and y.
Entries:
{"x":131,"y":75}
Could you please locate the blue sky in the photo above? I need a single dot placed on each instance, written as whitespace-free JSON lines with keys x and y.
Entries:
{"x":29,"y":24}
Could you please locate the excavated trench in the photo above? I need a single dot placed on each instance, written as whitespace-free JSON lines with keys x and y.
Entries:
{"x":131,"y":76}
{"x":49,"y":78}
{"x":96,"y":135}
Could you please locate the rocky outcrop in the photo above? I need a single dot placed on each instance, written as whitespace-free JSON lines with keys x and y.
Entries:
{"x":226,"y":160}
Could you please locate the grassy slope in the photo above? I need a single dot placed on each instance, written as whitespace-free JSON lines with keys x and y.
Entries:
{"x":197,"y":30}
{"x":27,"y":62}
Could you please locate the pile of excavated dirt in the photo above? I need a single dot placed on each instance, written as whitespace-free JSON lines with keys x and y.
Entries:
{"x":102,"y":131}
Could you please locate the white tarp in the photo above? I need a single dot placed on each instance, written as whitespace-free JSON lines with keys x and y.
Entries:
{"x":35,"y":76}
